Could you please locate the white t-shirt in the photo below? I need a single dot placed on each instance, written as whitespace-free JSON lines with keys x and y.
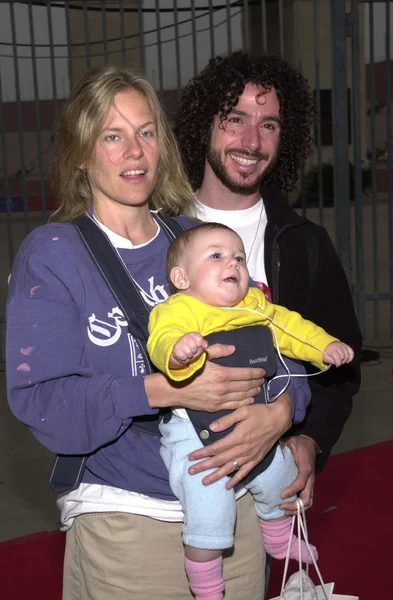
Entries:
{"x":250,"y":225}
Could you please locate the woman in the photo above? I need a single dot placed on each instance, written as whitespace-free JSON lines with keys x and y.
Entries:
{"x":71,"y":373}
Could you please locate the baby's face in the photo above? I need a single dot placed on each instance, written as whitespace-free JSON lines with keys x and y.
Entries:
{"x":215,"y":267}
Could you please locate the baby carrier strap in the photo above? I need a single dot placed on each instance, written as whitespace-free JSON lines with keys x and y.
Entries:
{"x":68,"y":469}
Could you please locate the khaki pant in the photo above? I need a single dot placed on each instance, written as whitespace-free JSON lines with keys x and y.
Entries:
{"x":119,"y":556}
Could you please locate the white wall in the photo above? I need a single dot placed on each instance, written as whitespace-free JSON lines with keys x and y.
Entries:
{"x":168,"y":48}
{"x":25,"y":67}
{"x":379,"y":31}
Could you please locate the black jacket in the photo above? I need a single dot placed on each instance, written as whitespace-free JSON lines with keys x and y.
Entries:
{"x":305,"y":274}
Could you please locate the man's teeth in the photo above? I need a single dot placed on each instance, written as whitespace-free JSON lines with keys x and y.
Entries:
{"x":134,"y":172}
{"x":243,"y":161}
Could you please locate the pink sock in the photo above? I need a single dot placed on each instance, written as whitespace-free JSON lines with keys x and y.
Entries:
{"x":276,"y":537}
{"x":205,"y":578}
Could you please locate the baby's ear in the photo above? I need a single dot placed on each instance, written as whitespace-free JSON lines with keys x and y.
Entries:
{"x":179,"y":278}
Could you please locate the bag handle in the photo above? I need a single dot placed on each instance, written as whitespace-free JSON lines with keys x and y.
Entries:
{"x":301,"y":532}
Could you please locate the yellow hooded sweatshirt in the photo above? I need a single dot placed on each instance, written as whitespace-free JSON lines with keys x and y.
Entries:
{"x":182,"y":313}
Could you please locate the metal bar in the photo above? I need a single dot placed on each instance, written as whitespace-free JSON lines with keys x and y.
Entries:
{"x":177,"y":50}
{"x":211,"y":27}
{"x":246,"y":26}
{"x":104,"y":31}
{"x":264,"y":27}
{"x":86,"y":33}
{"x":318,"y":132}
{"x":52,"y":57}
{"x":281,"y":25}
{"x":122,"y":33}
{"x":297,"y":37}
{"x":389,"y":156}
{"x":69,"y":44}
{"x":300,"y":69}
{"x":194,"y":38}
{"x":357,"y":165}
{"x":377,"y":296}
{"x":20,"y":123}
{"x":5,"y":174}
{"x":142,"y":56}
{"x":374,"y":170}
{"x":159,"y":50}
{"x":340,"y":134}
{"x":2,"y":335}
{"x":40,"y":153}
{"x":229,"y":26}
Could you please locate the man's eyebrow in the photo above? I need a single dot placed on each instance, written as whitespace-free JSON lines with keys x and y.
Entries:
{"x":273,"y":118}
{"x":265,"y":118}
{"x":241,"y":113}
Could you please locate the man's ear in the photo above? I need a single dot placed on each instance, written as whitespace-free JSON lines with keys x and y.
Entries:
{"x":179,"y":278}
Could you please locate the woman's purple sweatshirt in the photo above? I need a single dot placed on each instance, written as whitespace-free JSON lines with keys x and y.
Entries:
{"x":75,"y":376}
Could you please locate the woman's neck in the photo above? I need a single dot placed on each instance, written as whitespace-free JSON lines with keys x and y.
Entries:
{"x":134,"y":223}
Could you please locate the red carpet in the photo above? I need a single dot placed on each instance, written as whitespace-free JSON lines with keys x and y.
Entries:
{"x":351,"y":523}
{"x":354,"y":537}
{"x":31,"y":567}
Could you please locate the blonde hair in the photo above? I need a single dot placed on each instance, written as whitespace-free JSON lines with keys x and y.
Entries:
{"x":80,"y":123}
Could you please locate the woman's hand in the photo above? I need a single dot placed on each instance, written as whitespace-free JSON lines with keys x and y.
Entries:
{"x":258,"y":428}
{"x":212,"y":389}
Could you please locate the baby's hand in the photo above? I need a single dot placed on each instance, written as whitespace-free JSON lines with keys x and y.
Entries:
{"x":338,"y":353}
{"x":189,"y":346}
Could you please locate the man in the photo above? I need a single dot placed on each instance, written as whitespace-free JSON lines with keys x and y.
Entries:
{"x":243,"y":128}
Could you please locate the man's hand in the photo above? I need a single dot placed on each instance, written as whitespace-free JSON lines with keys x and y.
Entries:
{"x":304,"y":451}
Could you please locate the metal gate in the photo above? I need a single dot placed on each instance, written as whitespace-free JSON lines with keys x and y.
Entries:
{"x":343,"y":47}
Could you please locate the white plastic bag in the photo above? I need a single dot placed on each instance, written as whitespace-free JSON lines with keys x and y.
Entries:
{"x":299,"y":586}
{"x":310,"y":591}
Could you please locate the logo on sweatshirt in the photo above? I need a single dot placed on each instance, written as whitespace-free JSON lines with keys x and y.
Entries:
{"x":107,"y":331}
{"x":156,"y":293}
{"x":104,"y":333}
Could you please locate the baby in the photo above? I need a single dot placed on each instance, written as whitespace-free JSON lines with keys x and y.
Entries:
{"x":207,"y":268}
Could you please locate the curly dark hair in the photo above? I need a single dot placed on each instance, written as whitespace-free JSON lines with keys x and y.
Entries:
{"x":216,"y":90}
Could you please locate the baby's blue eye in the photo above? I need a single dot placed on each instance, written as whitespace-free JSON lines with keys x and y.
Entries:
{"x":216,"y":255}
